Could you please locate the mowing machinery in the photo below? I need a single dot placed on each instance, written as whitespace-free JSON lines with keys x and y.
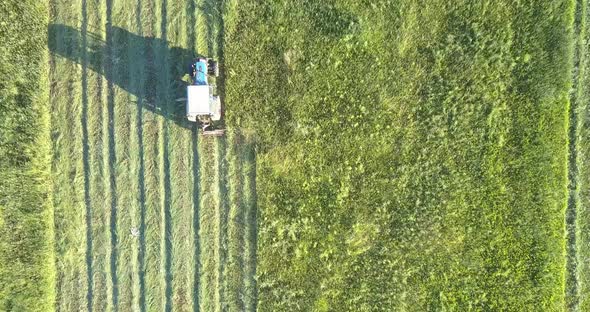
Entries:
{"x":203,"y":105}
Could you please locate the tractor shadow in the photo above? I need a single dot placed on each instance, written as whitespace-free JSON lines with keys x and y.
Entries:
{"x":146,"y":67}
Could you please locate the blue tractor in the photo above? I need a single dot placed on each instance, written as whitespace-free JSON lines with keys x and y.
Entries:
{"x":202,"y":104}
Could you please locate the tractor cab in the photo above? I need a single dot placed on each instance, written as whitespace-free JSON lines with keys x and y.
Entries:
{"x":202,"y":105}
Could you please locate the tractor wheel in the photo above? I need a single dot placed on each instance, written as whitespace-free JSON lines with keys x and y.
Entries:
{"x":191,"y":70}
{"x":213,"y":68}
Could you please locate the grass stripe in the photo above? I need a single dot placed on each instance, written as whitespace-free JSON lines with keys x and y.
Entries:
{"x":97,"y":187}
{"x":180,"y":162}
{"x":195,"y":263}
{"x":583,"y":178}
{"x":136,"y":73}
{"x":571,"y":279}
{"x":235,"y":247}
{"x":201,"y":27}
{"x":151,"y":134}
{"x":69,"y":197}
{"x":576,"y":215}
{"x":58,"y":164}
{"x":129,"y":164}
{"x":154,"y":227}
{"x":222,"y":215}
{"x":208,"y":231}
{"x":110,"y":159}
{"x":196,"y":248}
{"x":123,"y":110}
{"x":250,"y":226}
{"x":165,"y":187}
{"x":139,"y":72}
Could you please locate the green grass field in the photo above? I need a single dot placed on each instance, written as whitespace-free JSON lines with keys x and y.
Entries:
{"x":26,"y":237}
{"x":380,"y":156}
{"x":415,"y":154}
{"x":125,"y":159}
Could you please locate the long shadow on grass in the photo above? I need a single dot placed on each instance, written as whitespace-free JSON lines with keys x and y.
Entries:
{"x":95,"y":49}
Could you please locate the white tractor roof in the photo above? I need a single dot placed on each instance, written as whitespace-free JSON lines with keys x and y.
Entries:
{"x":198,"y":100}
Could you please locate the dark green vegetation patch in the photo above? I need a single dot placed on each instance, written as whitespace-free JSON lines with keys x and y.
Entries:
{"x":413,"y":155}
{"x":26,"y":262}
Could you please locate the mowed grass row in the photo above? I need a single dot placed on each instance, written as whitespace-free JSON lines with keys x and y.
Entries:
{"x":182,"y":173}
{"x":580,"y":136}
{"x":235,"y":227}
{"x":151,"y":216}
{"x":68,"y":168}
{"x":240,"y":268}
{"x":209,"y":227}
{"x":137,"y":78}
{"x":228,"y":224}
{"x":121,"y":108}
{"x":144,"y":220}
{"x":99,"y":190}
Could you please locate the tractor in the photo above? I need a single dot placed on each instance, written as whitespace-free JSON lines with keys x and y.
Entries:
{"x":202,"y":104}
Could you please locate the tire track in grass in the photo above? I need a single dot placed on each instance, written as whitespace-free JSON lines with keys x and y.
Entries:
{"x":250,"y":227}
{"x":235,"y":225}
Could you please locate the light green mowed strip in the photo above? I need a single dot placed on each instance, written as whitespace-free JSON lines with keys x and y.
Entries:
{"x":68,"y":185}
{"x":249,"y":225}
{"x":122,"y":111}
{"x":182,"y":173}
{"x":241,"y":224}
{"x":209,"y":239}
{"x":124,"y":159}
{"x":582,"y":141}
{"x":96,"y":138}
{"x":152,"y":215}
{"x":136,"y":175}
{"x":235,"y":243}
